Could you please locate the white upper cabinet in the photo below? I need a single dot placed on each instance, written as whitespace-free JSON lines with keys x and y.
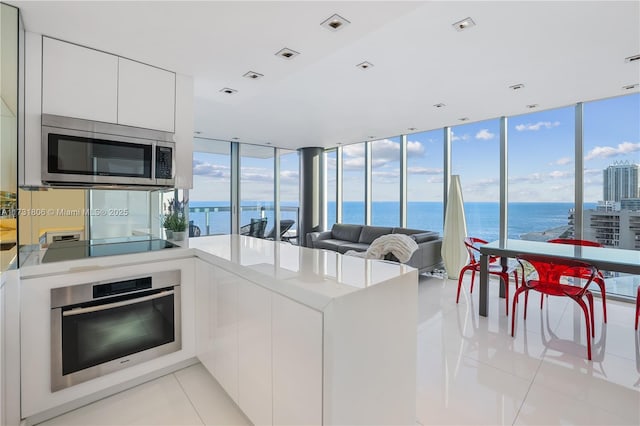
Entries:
{"x":146,"y":96}
{"x":79,"y":82}
{"x":85,"y":83}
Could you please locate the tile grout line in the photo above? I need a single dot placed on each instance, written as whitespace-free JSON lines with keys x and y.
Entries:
{"x":189,"y":398}
{"x":524,"y":399}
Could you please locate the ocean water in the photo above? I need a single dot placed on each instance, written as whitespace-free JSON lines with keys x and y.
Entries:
{"x":482,"y":218}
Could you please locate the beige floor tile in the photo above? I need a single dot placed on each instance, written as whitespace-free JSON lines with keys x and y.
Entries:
{"x":211,"y":402}
{"x":468,"y":392}
{"x":158,"y":402}
{"x":547,"y":407}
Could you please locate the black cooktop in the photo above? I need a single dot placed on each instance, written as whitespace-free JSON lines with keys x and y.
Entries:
{"x":72,"y":250}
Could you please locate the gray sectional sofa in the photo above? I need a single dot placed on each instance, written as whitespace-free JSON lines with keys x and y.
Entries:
{"x":344,"y":237}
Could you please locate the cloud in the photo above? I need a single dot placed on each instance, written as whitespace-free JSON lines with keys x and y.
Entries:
{"x":356,"y":163}
{"x":394,"y":174}
{"x":424,"y":171}
{"x":588,"y":172}
{"x":355,"y":150}
{"x":383,"y":153}
{"x":623,"y":148}
{"x":557,"y":174}
{"x":289,"y":176}
{"x":464,"y":137}
{"x":256,"y":174}
{"x":482,"y":184}
{"x":562,"y":161}
{"x":485,"y":135}
{"x":540,"y":178}
{"x":537,"y":126}
{"x":202,"y":168}
{"x":415,"y":148}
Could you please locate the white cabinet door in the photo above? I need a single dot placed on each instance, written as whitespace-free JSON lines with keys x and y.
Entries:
{"x":297,"y":363}
{"x":146,"y":96}
{"x":79,"y":82}
{"x":206,"y":293}
{"x":225,"y":346}
{"x":254,"y":352}
{"x":184,"y":132}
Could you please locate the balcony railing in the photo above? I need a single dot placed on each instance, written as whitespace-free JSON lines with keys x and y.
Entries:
{"x":216,"y":219}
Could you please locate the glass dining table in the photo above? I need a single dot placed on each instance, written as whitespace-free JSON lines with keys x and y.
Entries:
{"x":604,"y":258}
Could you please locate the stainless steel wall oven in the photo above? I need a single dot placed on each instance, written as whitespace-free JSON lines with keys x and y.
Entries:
{"x":101,"y":327}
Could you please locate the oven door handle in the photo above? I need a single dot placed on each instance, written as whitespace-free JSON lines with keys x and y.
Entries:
{"x":80,"y":311}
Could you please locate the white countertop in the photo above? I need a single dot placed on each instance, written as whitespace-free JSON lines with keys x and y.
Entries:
{"x":311,"y":276}
{"x":32,"y":266}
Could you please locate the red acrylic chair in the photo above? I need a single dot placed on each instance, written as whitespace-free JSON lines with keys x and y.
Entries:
{"x":495,"y":268}
{"x":550,"y":271}
{"x":599,"y":278}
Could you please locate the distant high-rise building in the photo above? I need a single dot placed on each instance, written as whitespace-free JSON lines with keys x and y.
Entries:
{"x":620,"y":181}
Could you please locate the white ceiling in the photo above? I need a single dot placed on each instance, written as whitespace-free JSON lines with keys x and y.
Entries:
{"x":563,"y":52}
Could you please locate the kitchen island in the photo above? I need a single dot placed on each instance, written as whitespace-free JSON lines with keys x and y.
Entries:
{"x":306,"y":336}
{"x":294,"y":335}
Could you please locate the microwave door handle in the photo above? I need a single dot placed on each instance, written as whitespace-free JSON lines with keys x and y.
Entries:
{"x":80,"y":311}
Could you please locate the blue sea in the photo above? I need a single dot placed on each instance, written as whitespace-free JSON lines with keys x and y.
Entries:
{"x":482,"y":218}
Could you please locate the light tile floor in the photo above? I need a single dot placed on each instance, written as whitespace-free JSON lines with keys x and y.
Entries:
{"x":470,"y":370}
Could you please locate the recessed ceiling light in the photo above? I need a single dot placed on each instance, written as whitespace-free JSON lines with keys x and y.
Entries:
{"x":631,"y":86}
{"x":287,"y":53}
{"x":335,"y":23}
{"x":412,"y":129}
{"x":339,"y":143}
{"x":517,"y":86}
{"x":253,"y":75}
{"x":464,"y":119}
{"x":236,"y":139}
{"x":633,"y":58}
{"x":464,"y":24}
{"x":439,"y":105}
{"x":364,"y":65}
{"x":197,"y":132}
{"x":228,"y":91}
{"x":532,"y":106}
{"x":372,"y":137}
{"x":268,"y":143}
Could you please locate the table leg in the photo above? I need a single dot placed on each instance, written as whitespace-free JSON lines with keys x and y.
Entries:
{"x":484,"y":287}
{"x":504,"y":262}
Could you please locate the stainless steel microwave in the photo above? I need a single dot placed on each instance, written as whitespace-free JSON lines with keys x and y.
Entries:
{"x":84,"y":153}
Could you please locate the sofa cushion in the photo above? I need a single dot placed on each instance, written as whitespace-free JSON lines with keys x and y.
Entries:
{"x":370,"y":233}
{"x":330,"y":244}
{"x":425,"y":236}
{"x":346,"y":232}
{"x":353,"y":246}
{"x":407,"y":231}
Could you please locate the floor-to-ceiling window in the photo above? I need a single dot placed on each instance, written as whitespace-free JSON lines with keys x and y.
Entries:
{"x":541,"y":164}
{"x":256,"y":184}
{"x":611,"y":168}
{"x":330,"y":186}
{"x":210,"y":198}
{"x":385,"y":182}
{"x":353,"y":185}
{"x":290,"y":188}
{"x":475,"y":157}
{"x":425,"y":177}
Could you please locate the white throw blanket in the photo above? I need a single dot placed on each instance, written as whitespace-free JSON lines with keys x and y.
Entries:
{"x":400,"y":245}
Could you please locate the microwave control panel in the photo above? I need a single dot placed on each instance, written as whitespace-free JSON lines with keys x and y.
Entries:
{"x":163,"y":162}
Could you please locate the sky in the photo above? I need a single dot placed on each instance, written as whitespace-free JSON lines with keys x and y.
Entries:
{"x":540,"y":160}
